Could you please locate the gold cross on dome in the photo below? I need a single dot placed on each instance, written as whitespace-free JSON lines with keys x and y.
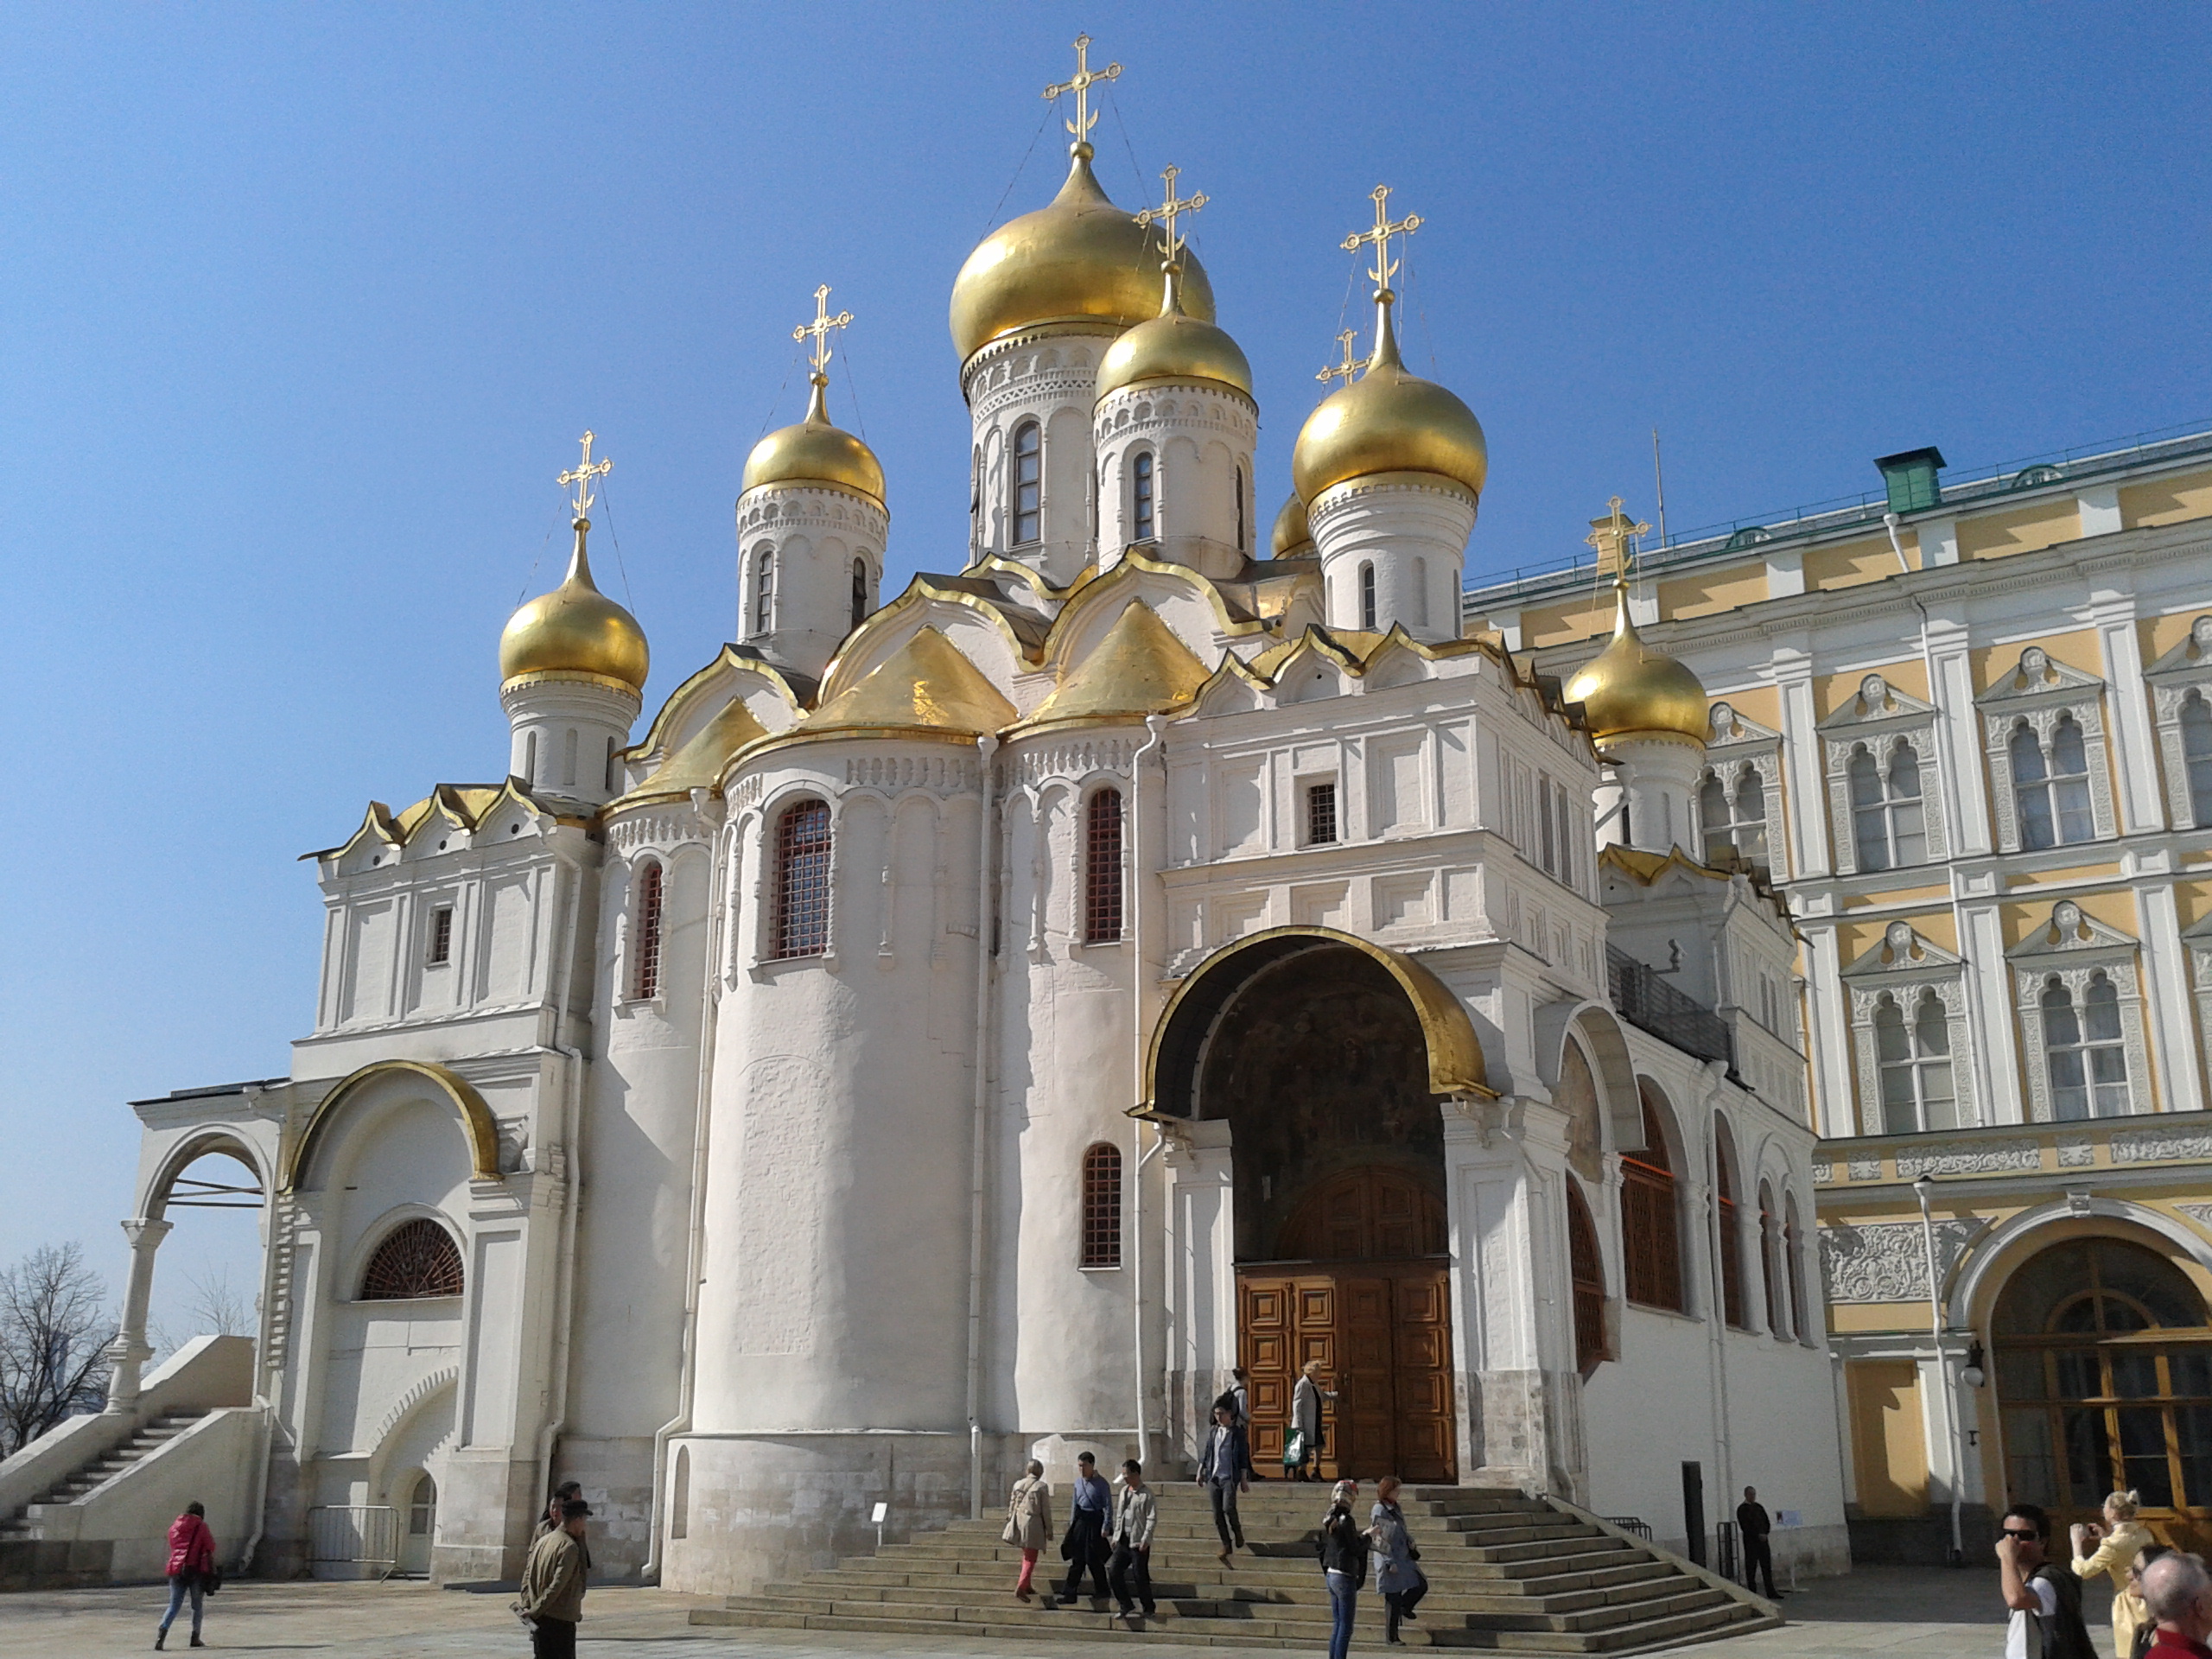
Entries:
{"x":581,"y":474}
{"x":1085,"y":78}
{"x":820,"y":327}
{"x":1347,"y":369}
{"x":1165,"y":214}
{"x":1384,"y":267}
{"x":1610,"y":537}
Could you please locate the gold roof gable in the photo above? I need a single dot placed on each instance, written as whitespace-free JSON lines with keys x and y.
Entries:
{"x":698,"y":763}
{"x":926,"y":684}
{"x":1139,"y":668}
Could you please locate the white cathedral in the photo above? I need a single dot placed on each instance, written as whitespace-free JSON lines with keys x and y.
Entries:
{"x":961,"y":1028}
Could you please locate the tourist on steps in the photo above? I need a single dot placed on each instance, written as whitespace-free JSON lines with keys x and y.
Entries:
{"x":1343,"y":1549}
{"x":1304,"y":1446}
{"x":1135,"y":1515}
{"x":1084,"y":1547}
{"x":1396,"y":1574}
{"x":1225,"y":1470}
{"x":192,"y":1563}
{"x":552,"y":1598}
{"x":1028,"y":1523}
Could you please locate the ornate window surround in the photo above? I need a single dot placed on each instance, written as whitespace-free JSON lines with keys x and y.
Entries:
{"x":2038,"y":690}
{"x":2186,"y":667}
{"x":1876,"y":715}
{"x":1903,"y":965}
{"x":2197,"y":939}
{"x":2068,"y":948}
{"x":1733,"y":746}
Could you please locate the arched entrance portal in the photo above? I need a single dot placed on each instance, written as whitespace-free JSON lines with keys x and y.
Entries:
{"x":2104,"y":1374}
{"x":1323,"y":1064}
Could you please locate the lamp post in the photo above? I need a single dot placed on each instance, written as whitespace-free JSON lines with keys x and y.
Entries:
{"x":1921,"y":1189}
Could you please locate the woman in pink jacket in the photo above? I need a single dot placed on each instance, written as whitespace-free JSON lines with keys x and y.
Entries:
{"x":192,"y":1557}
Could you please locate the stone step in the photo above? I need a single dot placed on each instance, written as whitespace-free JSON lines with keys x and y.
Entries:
{"x":1296,"y":1565}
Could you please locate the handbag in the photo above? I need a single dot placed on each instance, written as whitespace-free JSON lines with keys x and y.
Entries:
{"x":1013,"y":1533}
{"x":1293,"y":1449}
{"x":211,"y":1580}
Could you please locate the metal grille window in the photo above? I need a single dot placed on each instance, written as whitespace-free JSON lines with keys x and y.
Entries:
{"x":1728,"y":1229}
{"x":418,"y":1259}
{"x":2052,"y":789}
{"x":1585,"y":1269}
{"x":1651,"y":1234}
{"x":1321,"y":814}
{"x":441,"y":944}
{"x":802,"y":912}
{"x":1102,"y":1206}
{"x":645,"y":969}
{"x":1141,"y":497}
{"x":2196,"y":755}
{"x":1887,"y":824}
{"x":1914,"y":1059}
{"x":764,"y":591}
{"x":1734,"y":818}
{"x":1028,"y":482}
{"x":859,"y":592}
{"x":1367,"y":597}
{"x":2086,"y":1052}
{"x":1102,"y":867}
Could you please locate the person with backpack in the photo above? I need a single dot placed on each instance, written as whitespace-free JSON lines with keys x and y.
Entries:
{"x":191,"y":1570}
{"x":2045,"y":1599}
{"x":1343,"y":1549}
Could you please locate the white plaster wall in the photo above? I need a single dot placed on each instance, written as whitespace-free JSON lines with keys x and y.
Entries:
{"x":1413,"y":528}
{"x":814,"y":532}
{"x":1199,"y":434}
{"x":1050,"y":376}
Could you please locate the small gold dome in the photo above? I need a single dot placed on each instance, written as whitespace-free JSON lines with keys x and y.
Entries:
{"x":1080,"y":259}
{"x":1174,"y":346}
{"x":1389,"y":421}
{"x":575,"y":629}
{"x":1629,"y":688}
{"x":1292,"y":536}
{"x":815,"y":452}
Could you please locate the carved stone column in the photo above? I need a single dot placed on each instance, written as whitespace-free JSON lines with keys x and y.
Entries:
{"x":127,"y":1354}
{"x":1201,"y":1281}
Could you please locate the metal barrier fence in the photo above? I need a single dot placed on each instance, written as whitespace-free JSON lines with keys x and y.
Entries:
{"x":354,"y":1535}
{"x":1635,"y":1523}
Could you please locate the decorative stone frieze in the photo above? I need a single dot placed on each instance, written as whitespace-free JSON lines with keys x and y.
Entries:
{"x":1887,"y":1261}
{"x":1987,"y":1158}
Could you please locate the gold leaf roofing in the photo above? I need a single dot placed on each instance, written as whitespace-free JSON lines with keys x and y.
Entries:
{"x":926,"y":684}
{"x":698,"y":764}
{"x":1139,"y":668}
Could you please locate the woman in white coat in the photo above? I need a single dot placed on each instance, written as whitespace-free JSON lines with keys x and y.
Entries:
{"x":1028,"y":1523}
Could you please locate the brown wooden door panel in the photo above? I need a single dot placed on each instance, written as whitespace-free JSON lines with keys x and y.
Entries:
{"x":1422,"y":1343}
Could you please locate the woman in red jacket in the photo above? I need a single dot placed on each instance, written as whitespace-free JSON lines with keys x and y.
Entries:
{"x":192,"y":1557}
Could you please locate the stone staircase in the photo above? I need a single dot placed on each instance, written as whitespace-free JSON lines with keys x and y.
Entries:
{"x":25,"y":1524}
{"x":1507,"y":1573}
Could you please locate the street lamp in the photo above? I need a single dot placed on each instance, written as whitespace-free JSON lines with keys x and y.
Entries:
{"x":1921,"y":1189}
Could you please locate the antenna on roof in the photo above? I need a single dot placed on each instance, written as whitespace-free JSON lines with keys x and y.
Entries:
{"x":1659,"y":485}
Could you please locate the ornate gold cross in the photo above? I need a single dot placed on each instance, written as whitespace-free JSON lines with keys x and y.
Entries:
{"x":1609,"y":535}
{"x":1085,"y":78}
{"x":1349,"y":368}
{"x":820,"y":327}
{"x":581,"y":474}
{"x":1384,"y":267}
{"x":1165,"y":214}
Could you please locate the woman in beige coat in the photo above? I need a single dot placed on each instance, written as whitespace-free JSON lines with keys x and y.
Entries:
{"x":1028,"y":1523}
{"x":2111,"y":1549}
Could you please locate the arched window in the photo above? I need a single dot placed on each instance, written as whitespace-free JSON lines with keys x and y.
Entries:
{"x":529,"y":760}
{"x":2085,"y":1052}
{"x":1770,"y":1258}
{"x":802,"y":911}
{"x":1728,"y":1227}
{"x":1367,"y":596}
{"x":976,"y":497}
{"x":1240,"y":509}
{"x":2196,"y":755}
{"x":2051,"y":792}
{"x":1914,"y":1058}
{"x":1587,"y":1271}
{"x":418,"y":1258}
{"x":1735,"y":818}
{"x":859,"y":592}
{"x":644,"y":950}
{"x":1141,"y":482}
{"x":1102,"y":867}
{"x":422,"y":1507}
{"x":1887,"y":824}
{"x":764,"y":590}
{"x":1651,"y":1230}
{"x":1028,"y":482}
{"x":1101,"y":1205}
{"x":1793,"y":1245}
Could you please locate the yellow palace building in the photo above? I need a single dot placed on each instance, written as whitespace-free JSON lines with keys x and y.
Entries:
{"x":1966,"y":728}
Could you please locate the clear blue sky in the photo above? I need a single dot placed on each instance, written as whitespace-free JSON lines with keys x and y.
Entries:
{"x":303,"y":308}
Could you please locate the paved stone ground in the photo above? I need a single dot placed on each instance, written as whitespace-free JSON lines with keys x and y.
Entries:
{"x":1926,"y":1613}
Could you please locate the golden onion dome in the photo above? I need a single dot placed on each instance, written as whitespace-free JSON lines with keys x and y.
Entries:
{"x":1389,"y":420}
{"x":1292,"y":535}
{"x":1628,"y":688}
{"x":1174,"y":346}
{"x":815,"y":452}
{"x":1078,"y":260}
{"x":575,"y":630}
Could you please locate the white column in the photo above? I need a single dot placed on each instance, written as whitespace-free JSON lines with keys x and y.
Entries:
{"x":129,"y":1352}
{"x":2134,"y":745}
{"x":1829,"y":1037}
{"x":1201,"y":1280}
{"x":2166,"y":990}
{"x":1800,"y":752}
{"x":1947,"y":643}
{"x":1989,"y":1006}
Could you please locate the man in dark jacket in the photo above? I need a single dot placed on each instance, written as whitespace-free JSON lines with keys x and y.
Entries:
{"x":552,"y":1598}
{"x":2045,"y":1600}
{"x":1225,"y":1470}
{"x":1084,"y":1548}
{"x":1752,"y":1523}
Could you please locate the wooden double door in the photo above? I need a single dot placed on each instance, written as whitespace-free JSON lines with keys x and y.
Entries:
{"x":1383,"y":1332}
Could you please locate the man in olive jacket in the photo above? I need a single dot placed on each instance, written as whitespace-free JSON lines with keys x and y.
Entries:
{"x":552,"y":1599}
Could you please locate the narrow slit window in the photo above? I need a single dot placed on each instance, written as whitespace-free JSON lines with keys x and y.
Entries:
{"x":440,"y":942}
{"x":764,"y":591}
{"x":644,"y":973}
{"x":802,"y":918}
{"x":1587,"y":1274}
{"x":1770,"y":1264}
{"x":1321,"y":814}
{"x":1240,"y":509}
{"x":1028,"y":482}
{"x":1728,"y":1229}
{"x":859,"y":592}
{"x":1101,"y":1205}
{"x":1102,"y":869}
{"x":1141,"y":497}
{"x":1367,"y":597}
{"x":1651,"y":1232}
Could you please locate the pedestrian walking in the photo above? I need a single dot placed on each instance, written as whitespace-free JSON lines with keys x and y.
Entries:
{"x":2112,"y":1549}
{"x":1241,"y":1387}
{"x":1397,"y":1570}
{"x":2146,"y":1627}
{"x":1225,"y":1470}
{"x":1084,"y":1548}
{"x":1135,"y":1513}
{"x":549,"y":1519}
{"x":1304,"y":1444}
{"x":2045,"y":1600}
{"x":1753,"y":1524}
{"x":191,"y":1571}
{"x":552,"y":1598}
{"x":1343,"y":1549}
{"x":2179,"y":1593}
{"x":1028,"y":1523}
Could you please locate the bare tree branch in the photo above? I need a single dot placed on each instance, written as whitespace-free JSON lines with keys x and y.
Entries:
{"x":55,"y":1329}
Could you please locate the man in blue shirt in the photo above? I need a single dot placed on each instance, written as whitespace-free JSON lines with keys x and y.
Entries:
{"x":1085,"y":1547}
